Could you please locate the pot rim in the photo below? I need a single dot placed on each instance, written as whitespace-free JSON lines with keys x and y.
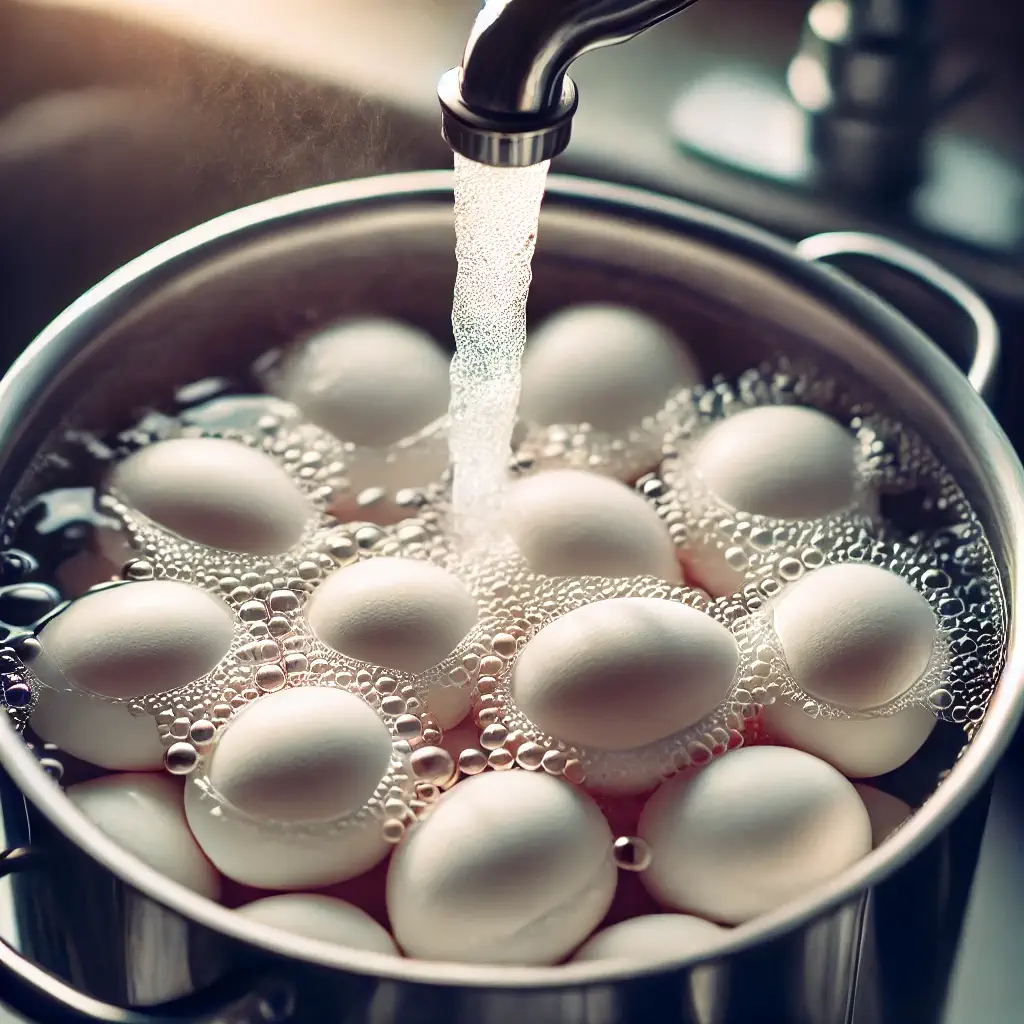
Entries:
{"x":83,"y":319}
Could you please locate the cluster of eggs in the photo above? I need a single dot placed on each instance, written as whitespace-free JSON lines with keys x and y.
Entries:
{"x":687,"y":567}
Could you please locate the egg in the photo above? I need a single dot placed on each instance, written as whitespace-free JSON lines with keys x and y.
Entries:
{"x":781,"y":461}
{"x":143,"y":814}
{"x":887,"y":812}
{"x":652,"y":937}
{"x":859,"y":747}
{"x":573,"y":523}
{"x":313,"y":916}
{"x":448,"y":704}
{"x":399,"y":613}
{"x":856,"y":636}
{"x":216,"y":492}
{"x":753,"y":830}
{"x":134,"y":640}
{"x":97,"y":731}
{"x":303,"y":755}
{"x":605,"y":365}
{"x":509,"y":868}
{"x":622,"y":673}
{"x":369,"y":381}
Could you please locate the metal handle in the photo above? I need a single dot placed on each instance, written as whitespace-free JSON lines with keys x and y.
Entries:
{"x":984,"y":355}
{"x":42,"y":998}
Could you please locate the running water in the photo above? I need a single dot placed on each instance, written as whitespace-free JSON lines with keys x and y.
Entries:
{"x":496,"y":215}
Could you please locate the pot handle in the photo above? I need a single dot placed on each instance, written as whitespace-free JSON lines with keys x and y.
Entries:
{"x":42,"y":998}
{"x":984,"y":345}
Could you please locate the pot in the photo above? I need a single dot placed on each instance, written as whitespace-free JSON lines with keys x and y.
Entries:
{"x":104,"y":938}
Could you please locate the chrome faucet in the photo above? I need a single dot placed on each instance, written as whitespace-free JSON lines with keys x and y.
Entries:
{"x":512,"y":102}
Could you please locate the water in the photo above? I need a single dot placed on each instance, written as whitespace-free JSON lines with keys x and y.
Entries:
{"x":489,"y":324}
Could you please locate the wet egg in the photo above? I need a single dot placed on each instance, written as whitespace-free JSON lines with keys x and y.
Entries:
{"x":304,"y":754}
{"x":652,"y":938}
{"x":621,"y":673}
{"x":605,"y":365}
{"x":400,"y":613}
{"x":509,"y":868}
{"x":860,"y":748}
{"x":887,"y":812}
{"x":856,"y":636}
{"x":95,"y":730}
{"x":216,"y":492}
{"x":370,"y":381}
{"x":781,"y":461}
{"x":143,"y":814}
{"x":134,"y":640}
{"x":299,"y":756}
{"x":754,"y":829}
{"x":572,"y":523}
{"x":324,"y":918}
{"x":448,"y":704}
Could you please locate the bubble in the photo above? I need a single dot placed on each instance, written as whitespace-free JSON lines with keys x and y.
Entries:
{"x":181,"y":758}
{"x":632,"y":853}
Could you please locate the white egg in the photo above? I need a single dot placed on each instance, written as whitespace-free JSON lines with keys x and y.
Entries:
{"x":652,"y":937}
{"x":144,"y":815}
{"x":369,"y":381}
{"x":324,"y":918}
{"x":756,"y":828}
{"x":622,"y":673}
{"x":509,"y":868}
{"x":266,"y":856}
{"x":310,"y":754}
{"x":400,"y":613}
{"x":97,"y":731}
{"x":860,"y":748}
{"x":886,"y":812}
{"x":782,"y":461}
{"x":305,"y":754}
{"x":605,"y":365}
{"x":134,"y":640}
{"x":448,"y":704}
{"x":571,"y":523}
{"x":216,"y":492}
{"x":856,"y":636}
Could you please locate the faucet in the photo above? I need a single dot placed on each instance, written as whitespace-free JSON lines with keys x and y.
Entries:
{"x":512,"y":102}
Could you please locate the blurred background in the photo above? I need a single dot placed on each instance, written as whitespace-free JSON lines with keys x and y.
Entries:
{"x":123,"y":122}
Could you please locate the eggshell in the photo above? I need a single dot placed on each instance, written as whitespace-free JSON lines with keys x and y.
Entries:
{"x":652,"y":937}
{"x":368,"y":381}
{"x":704,"y":566}
{"x":304,"y":754}
{"x":143,"y":814}
{"x":449,"y":704}
{"x":324,"y":918}
{"x":756,"y":828}
{"x":622,"y":673}
{"x":509,"y":868}
{"x":605,"y":365}
{"x":887,"y":812}
{"x":134,"y":640}
{"x":860,"y":748}
{"x":97,"y":731}
{"x":395,"y":612}
{"x":572,"y":523}
{"x":854,"y":635}
{"x":266,"y":856}
{"x":782,"y":461}
{"x":236,"y":412}
{"x":216,"y":492}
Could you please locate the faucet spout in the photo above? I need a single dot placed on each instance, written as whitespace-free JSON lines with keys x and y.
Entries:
{"x":511,"y":102}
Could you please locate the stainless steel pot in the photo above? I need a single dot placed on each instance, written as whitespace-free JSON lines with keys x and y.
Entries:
{"x":876,"y":945}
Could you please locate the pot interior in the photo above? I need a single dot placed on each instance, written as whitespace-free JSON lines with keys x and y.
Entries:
{"x":213,"y":309}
